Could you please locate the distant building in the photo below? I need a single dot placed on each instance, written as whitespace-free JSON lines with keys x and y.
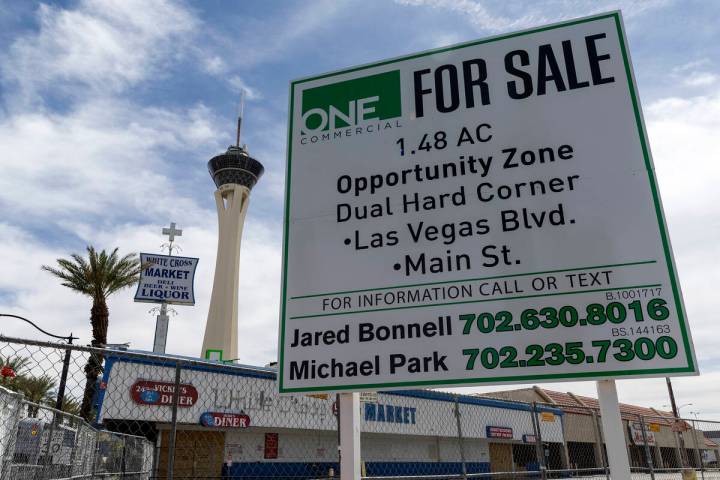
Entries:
{"x":582,"y":427}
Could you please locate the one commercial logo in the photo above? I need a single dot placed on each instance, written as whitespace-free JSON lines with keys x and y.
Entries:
{"x":360,"y":105}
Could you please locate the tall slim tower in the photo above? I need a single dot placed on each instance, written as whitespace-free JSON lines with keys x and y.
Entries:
{"x":234,"y":174}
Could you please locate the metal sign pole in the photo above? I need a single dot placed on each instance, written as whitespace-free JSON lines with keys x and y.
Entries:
{"x":612,"y":430}
{"x":163,"y":320}
{"x":161,"y":330}
{"x":349,"y":411}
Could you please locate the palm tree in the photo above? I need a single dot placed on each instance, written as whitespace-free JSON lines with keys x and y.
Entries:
{"x":16,"y":366}
{"x":38,"y":390}
{"x":98,"y":276}
{"x":70,"y":405}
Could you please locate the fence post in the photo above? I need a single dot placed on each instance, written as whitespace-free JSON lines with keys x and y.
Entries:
{"x":63,"y":377}
{"x":460,"y":438}
{"x":539,"y":449}
{"x":157,"y":446}
{"x":46,"y":460}
{"x":173,"y":431}
{"x":678,"y":452}
{"x":12,"y":438}
{"x":96,"y":448}
{"x":339,"y":443}
{"x":648,"y":453}
{"x":600,"y":450}
{"x":698,"y":455}
{"x":123,"y":468}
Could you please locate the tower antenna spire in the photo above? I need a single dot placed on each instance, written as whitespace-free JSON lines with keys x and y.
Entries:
{"x":241,"y":109}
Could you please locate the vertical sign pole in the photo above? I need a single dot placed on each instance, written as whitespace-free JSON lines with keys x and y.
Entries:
{"x":161,"y":330}
{"x":349,"y":406}
{"x":612,"y":430}
{"x":163,"y":320}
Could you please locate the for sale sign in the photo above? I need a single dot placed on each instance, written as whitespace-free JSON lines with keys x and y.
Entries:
{"x":481,"y":213}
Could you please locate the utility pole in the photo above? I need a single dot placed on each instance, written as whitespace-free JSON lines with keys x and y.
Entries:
{"x":676,"y":414}
{"x":673,"y":405}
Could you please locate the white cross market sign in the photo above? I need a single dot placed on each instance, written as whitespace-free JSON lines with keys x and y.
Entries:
{"x":166,"y":279}
{"x":482,"y":213}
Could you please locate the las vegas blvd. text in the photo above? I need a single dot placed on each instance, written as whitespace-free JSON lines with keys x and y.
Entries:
{"x":487,"y":213}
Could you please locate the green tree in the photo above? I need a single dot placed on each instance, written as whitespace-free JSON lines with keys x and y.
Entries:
{"x":19,"y":366}
{"x":70,"y":405}
{"x":98,"y":276}
{"x":38,"y":390}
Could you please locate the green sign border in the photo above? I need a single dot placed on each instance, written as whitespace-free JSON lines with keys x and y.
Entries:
{"x":691,"y":364}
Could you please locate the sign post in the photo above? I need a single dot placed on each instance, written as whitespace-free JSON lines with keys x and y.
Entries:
{"x":484,"y":213}
{"x":613,"y":433}
{"x":349,"y":409}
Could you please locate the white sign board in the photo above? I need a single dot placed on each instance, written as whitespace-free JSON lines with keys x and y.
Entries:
{"x":482,"y":213}
{"x":636,"y":434}
{"x":168,"y":279}
{"x":368,"y":397}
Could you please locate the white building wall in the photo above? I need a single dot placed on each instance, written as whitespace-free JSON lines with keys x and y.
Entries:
{"x":293,"y":446}
{"x":258,"y":398}
{"x":309,"y":446}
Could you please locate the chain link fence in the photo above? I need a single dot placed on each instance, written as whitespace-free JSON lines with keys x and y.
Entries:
{"x":165,"y":417}
{"x":39,"y":442}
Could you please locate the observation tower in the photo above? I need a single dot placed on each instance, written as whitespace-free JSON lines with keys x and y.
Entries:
{"x":235,"y":173}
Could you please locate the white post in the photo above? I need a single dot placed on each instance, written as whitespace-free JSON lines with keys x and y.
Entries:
{"x":161,"y":330}
{"x":613,"y":430}
{"x":349,"y":436}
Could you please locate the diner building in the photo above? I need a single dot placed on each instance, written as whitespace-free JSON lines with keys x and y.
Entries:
{"x":232,"y":421}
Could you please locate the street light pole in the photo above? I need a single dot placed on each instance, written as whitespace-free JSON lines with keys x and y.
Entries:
{"x":66,"y":359}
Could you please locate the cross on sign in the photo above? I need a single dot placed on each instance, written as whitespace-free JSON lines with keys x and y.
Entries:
{"x":172,"y":232}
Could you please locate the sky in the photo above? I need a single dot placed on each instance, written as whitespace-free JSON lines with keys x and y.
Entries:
{"x":110,"y":110}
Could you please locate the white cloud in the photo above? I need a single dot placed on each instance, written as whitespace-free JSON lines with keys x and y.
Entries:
{"x":480,"y":15}
{"x":239,"y":85}
{"x":684,"y":140}
{"x":260,"y":42}
{"x":692,"y":65}
{"x":102,"y":45}
{"x":701,"y":79}
{"x":515,"y":15}
{"x":106,"y":166}
{"x":215,"y":65}
{"x":695,"y":75}
{"x":104,"y":155}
